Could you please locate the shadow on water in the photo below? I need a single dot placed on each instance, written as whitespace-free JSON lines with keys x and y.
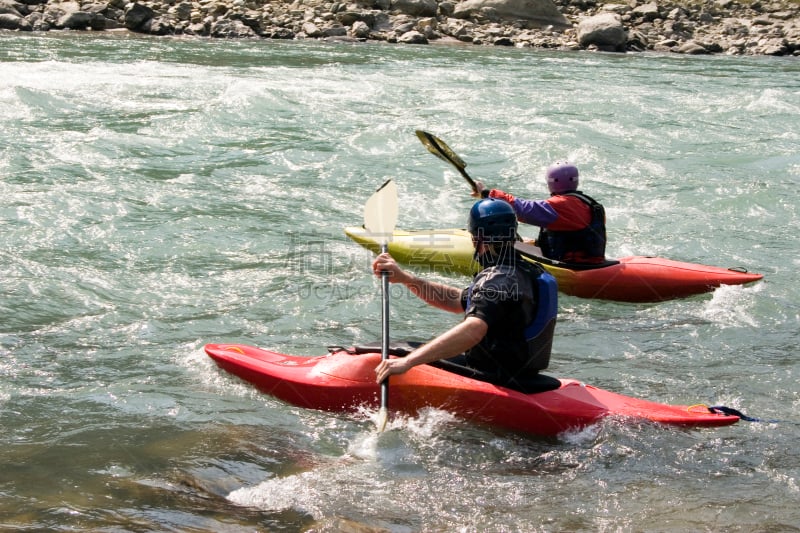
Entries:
{"x":148,"y":479}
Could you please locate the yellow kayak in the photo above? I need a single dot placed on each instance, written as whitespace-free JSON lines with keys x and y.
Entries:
{"x":628,"y":279}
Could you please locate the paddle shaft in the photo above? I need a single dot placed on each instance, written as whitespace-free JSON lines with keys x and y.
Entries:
{"x":380,"y":219}
{"x":385,"y":329}
{"x":469,"y":180}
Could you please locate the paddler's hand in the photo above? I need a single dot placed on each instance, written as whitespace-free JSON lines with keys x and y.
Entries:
{"x":391,"y":366}
{"x":480,"y":190}
{"x":386,"y":263}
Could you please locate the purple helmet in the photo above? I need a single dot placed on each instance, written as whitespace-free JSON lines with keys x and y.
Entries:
{"x":562,"y":176}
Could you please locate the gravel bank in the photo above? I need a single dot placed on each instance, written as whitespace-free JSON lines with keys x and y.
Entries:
{"x":694,"y":27}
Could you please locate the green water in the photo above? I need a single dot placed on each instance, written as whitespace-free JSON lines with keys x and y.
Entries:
{"x":159,"y":194}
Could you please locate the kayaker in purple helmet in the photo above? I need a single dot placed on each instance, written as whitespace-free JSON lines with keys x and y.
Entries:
{"x":572,"y":224}
{"x":509,"y":309}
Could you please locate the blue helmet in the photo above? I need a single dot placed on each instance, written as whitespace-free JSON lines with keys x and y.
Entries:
{"x":492,"y":220}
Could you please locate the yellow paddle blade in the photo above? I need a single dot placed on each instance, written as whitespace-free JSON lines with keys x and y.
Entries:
{"x":439,"y":148}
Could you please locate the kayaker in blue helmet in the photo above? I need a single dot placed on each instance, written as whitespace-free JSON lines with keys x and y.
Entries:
{"x":509,"y":309}
{"x":572,"y":224}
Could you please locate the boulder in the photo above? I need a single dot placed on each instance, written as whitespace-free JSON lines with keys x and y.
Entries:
{"x":446,"y":8}
{"x":691,"y":48}
{"x":37,"y":22}
{"x":9,"y":21}
{"x":542,"y":12}
{"x":281,"y":33}
{"x":55,"y":11}
{"x":604,"y":31}
{"x":412,"y":37}
{"x":360,"y":29}
{"x":335,"y":31}
{"x":136,"y":15}
{"x":647,"y":12}
{"x":230,"y":29}
{"x":773,"y":47}
{"x":157,"y":26}
{"x":349,"y":18}
{"x":11,"y":7}
{"x":75,"y":20}
{"x":415,"y":8}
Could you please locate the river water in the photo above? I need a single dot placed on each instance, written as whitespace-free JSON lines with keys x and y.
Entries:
{"x":161,"y":194}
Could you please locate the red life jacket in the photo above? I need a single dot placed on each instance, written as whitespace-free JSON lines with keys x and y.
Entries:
{"x":578,"y":235}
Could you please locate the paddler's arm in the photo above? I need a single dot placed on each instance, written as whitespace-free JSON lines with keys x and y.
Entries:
{"x":454,"y":341}
{"x":535,"y":212}
{"x":436,"y":294}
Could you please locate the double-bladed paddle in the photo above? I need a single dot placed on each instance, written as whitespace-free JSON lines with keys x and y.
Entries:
{"x":439,"y":148}
{"x":380,"y":219}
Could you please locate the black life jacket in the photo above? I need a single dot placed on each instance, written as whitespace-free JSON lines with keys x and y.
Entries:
{"x":538,"y":333}
{"x":538,"y":336}
{"x":587,"y":245}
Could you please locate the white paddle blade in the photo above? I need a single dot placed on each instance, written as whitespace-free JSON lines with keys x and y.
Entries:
{"x":383,"y":418}
{"x":380,"y":212}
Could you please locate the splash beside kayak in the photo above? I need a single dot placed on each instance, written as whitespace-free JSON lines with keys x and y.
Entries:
{"x":343,"y":381}
{"x":628,"y":279}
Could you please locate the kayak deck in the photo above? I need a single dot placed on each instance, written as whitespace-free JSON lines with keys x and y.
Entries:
{"x":449,"y":250}
{"x":343,"y":382}
{"x":628,"y":279}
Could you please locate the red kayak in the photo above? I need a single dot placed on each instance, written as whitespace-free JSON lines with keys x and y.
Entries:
{"x":642,"y":278}
{"x":343,"y":381}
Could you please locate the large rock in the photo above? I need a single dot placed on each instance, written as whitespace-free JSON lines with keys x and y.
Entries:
{"x":311,"y":30}
{"x":604,"y":31}
{"x":360,"y":29}
{"x":136,"y":15}
{"x":412,"y":37}
{"x":416,"y":8}
{"x":691,"y":48}
{"x":54,"y":11}
{"x":75,"y":20}
{"x":9,"y":21}
{"x":11,"y":7}
{"x":647,"y":12}
{"x":230,"y":29}
{"x":542,"y":12}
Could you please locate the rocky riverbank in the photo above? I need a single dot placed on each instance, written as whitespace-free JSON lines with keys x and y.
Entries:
{"x":749,"y":27}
